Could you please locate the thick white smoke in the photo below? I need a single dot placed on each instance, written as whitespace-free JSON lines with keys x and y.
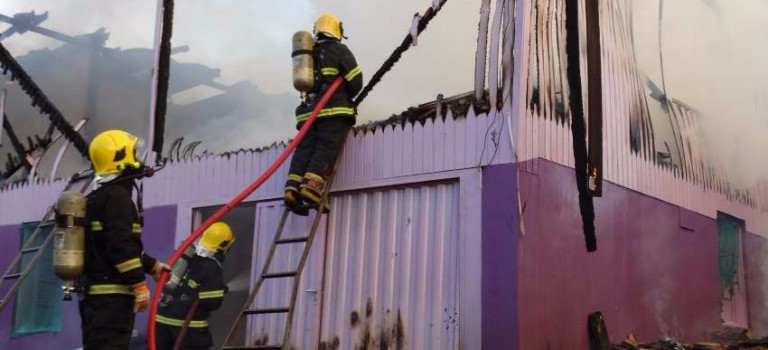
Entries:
{"x":715,"y":62}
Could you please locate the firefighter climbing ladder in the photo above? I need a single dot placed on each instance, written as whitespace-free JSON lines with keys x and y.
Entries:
{"x":278,"y":240}
{"x":418,"y":25}
{"x":12,"y":273}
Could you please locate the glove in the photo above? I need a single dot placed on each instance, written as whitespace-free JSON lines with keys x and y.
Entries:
{"x":158,"y":268}
{"x":141,"y":294}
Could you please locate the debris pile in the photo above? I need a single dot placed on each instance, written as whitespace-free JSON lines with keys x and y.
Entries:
{"x":631,"y":343}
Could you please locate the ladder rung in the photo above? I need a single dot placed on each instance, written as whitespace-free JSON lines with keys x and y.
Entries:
{"x":279,"y":274}
{"x":11,"y":276}
{"x":268,"y":310}
{"x":292,"y":240}
{"x":30,"y":250}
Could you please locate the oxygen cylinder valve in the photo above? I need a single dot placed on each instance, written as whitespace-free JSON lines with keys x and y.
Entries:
{"x":68,"y":288}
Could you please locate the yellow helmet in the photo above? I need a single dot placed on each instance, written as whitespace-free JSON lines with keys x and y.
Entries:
{"x":330,"y":25}
{"x":113,"y":151}
{"x":218,"y":238}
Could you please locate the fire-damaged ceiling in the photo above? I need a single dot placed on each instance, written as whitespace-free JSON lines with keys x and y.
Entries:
{"x":111,"y":88}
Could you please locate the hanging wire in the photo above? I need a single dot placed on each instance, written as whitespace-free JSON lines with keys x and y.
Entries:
{"x":395,"y":56}
{"x":495,"y":139}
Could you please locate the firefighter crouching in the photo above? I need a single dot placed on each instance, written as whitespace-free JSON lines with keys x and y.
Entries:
{"x":115,"y":262}
{"x":201,"y":279}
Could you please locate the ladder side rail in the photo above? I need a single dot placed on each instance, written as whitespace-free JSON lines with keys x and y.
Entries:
{"x":30,"y":242}
{"x":26,"y":271}
{"x":13,"y":267}
{"x":308,"y":248}
{"x":252,"y":295}
{"x":27,"y":245}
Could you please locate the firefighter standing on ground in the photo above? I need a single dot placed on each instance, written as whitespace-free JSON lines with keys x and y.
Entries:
{"x":115,"y":262}
{"x":203,"y":280}
{"x":316,"y":153}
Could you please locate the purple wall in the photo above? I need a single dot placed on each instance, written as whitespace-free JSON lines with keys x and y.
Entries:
{"x":158,"y":237}
{"x":655,"y":272}
{"x":159,"y":229}
{"x":68,"y":338}
{"x":756,"y":268}
{"x":499,"y":257}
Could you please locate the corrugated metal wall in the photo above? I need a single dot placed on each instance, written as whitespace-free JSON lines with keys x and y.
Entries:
{"x":406,"y":236}
{"x":389,"y":152}
{"x":24,"y":203}
{"x":543,"y":133}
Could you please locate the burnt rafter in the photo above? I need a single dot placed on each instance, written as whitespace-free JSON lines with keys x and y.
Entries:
{"x":22,"y":22}
{"x":20,"y":161}
{"x":30,"y":22}
{"x":40,"y":100}
{"x":163,"y":77}
{"x":17,"y":146}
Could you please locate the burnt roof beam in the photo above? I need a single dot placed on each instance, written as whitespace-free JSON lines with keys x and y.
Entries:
{"x":17,"y":146}
{"x":40,"y":100}
{"x":22,"y":22}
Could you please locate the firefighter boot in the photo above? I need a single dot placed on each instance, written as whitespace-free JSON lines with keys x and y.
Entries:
{"x":312,"y":188}
{"x":291,"y":196}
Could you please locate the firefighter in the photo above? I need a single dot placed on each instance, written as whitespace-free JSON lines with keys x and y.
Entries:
{"x":316,"y":153}
{"x":115,"y":263}
{"x":203,"y":280}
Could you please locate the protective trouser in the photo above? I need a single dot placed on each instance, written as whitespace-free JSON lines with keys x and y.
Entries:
{"x":107,"y":321}
{"x":313,"y":160}
{"x":317,"y":151}
{"x":195,"y":338}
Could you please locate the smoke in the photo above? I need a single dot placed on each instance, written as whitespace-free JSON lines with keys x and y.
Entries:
{"x":659,"y":291}
{"x":733,"y":101}
{"x":112,"y":91}
{"x":658,"y":300}
{"x":714,"y":61}
{"x":240,"y":283}
{"x":242,"y":42}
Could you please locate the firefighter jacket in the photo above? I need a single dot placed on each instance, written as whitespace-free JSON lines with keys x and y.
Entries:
{"x":203,"y":280}
{"x":114,"y":255}
{"x":332,"y":59}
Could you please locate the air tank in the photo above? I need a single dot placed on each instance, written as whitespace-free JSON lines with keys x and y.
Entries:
{"x":303,"y":64}
{"x":69,"y":239}
{"x":69,"y":236}
{"x":179,"y":269}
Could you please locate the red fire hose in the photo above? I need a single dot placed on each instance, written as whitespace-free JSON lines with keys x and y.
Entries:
{"x":229,"y":206}
{"x":185,"y":325}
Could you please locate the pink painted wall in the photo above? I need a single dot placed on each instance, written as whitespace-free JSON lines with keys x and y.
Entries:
{"x":655,"y":273}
